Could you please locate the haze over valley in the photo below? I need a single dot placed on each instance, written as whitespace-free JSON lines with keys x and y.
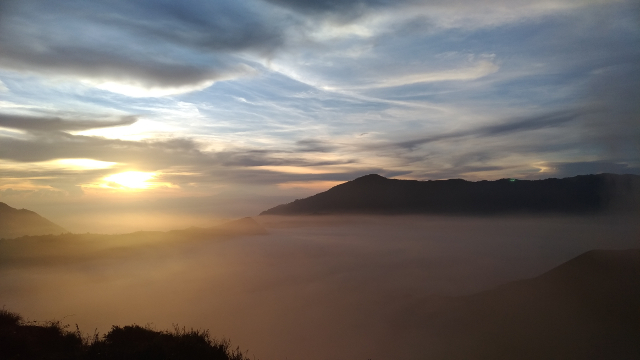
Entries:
{"x":332,"y":286}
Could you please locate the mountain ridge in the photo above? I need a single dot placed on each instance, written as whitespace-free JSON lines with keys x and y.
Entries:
{"x":375,"y":194}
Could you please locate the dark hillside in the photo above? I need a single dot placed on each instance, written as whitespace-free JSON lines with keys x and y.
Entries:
{"x":14,"y":223}
{"x":375,"y":194}
{"x":586,"y":308}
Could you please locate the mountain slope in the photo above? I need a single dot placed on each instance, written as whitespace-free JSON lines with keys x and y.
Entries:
{"x":14,"y":223}
{"x":586,"y":308}
{"x":377,"y":194}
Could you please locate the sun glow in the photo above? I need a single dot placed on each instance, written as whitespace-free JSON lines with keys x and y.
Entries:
{"x":131,"y":179}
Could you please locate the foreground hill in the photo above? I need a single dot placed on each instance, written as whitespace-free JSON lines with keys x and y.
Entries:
{"x":586,"y":308}
{"x":14,"y":223}
{"x":374,"y":194}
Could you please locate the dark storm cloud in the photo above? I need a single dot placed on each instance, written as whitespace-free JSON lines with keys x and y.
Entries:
{"x":518,"y":125}
{"x":55,"y":124}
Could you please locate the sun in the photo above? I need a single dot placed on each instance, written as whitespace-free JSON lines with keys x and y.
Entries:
{"x":131,"y":179}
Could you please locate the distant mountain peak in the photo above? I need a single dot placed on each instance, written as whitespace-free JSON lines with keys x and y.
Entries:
{"x":371,"y":177}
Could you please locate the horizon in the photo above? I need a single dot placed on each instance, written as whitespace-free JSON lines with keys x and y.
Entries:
{"x":155,"y":113}
{"x":154,"y":222}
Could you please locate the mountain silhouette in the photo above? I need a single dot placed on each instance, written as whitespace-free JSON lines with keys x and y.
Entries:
{"x":586,"y":308}
{"x":15,"y":223}
{"x":375,"y":194}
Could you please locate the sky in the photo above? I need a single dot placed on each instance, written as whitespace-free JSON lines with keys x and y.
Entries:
{"x":226,"y":108}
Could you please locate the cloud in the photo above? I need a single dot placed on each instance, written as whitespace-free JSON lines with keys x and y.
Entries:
{"x":49,"y":140}
{"x":118,"y":72}
{"x":116,"y":45}
{"x":144,"y":88}
{"x":156,"y":48}
{"x":428,"y":81}
{"x":517,"y":125}
{"x":314,"y":145}
{"x":38,"y":124}
{"x":445,"y":13}
{"x":342,"y":11}
{"x":482,"y":69}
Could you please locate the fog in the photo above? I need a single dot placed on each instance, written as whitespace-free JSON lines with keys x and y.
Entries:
{"x":313,"y":288}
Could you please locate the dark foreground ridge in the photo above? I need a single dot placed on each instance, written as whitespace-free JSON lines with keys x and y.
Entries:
{"x":24,"y":340}
{"x":586,"y":308}
{"x":374,"y":194}
{"x":14,"y":223}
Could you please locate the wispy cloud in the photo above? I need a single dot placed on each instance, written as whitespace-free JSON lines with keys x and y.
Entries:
{"x":484,"y":68}
{"x":517,"y":125}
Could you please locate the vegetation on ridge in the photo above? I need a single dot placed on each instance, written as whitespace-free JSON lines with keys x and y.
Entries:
{"x":25,"y":340}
